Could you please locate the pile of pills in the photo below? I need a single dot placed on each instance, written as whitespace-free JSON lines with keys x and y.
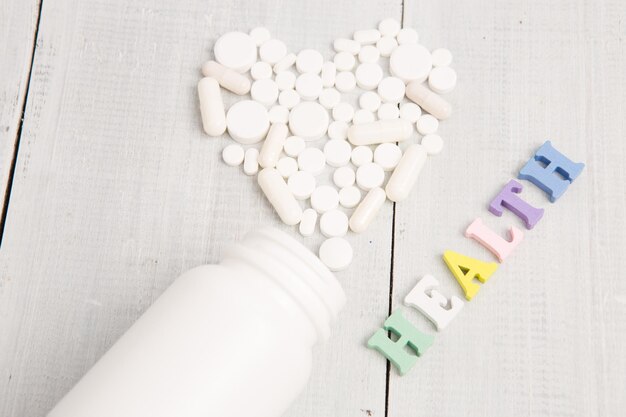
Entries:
{"x":299,"y":121}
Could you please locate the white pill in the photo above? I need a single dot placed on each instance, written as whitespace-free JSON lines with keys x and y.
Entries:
{"x":260,"y":35}
{"x":334,"y":223}
{"x":338,"y":130}
{"x":442,"y":80}
{"x":387,"y":155}
{"x":427,"y":124}
{"x":389,"y":27}
{"x":410,"y":63}
{"x":337,"y":152}
{"x":279,"y":114}
{"x":329,"y":71}
{"x":361,"y":155}
{"x":343,"y":112}
{"x":367,"y":210}
{"x":407,"y":36}
{"x":369,"y":54}
{"x":309,"y":86}
{"x":344,"y":61}
{"x":347,"y":45}
{"x":287,"y":166}
{"x":442,"y":57}
{"x":349,"y":197}
{"x":432,"y":143}
{"x":368,"y":76}
{"x":388,"y":111}
{"x":406,"y":173}
{"x":345,"y":81}
{"x":428,"y":101}
{"x":273,"y":145}
{"x":293,"y":146}
{"x":380,"y":131}
{"x":336,"y":253}
{"x":261,"y":71}
{"x":344,"y":177}
{"x":311,"y":160}
{"x":285,"y":80}
{"x":363,"y":116}
{"x":211,"y":107}
{"x":233,"y":155}
{"x":386,"y":45}
{"x":235,"y":50}
{"x":275,"y":189}
{"x":309,"y":120}
{"x":285,"y":63}
{"x":227,"y":78}
{"x":289,"y":98}
{"x":272,"y":51}
{"x":264,"y":91}
{"x":301,"y":184}
{"x":324,"y":198}
{"x":247,"y":121}
{"x":367,"y":36}
{"x":369,"y":101}
{"x":307,"y":223}
{"x":391,"y":89}
{"x":370,"y":175}
{"x":410,"y":112}
{"x":309,"y":60}
{"x":329,"y":98}
{"x":251,"y":161}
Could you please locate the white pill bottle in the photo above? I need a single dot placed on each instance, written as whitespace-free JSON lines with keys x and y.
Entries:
{"x":226,"y":340}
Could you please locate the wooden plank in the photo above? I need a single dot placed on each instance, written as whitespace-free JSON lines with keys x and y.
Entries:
{"x":117,"y":192}
{"x":546,"y":335}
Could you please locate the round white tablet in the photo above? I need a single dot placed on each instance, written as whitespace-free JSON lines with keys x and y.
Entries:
{"x":311,"y":160}
{"x":432,"y":143}
{"x":336,"y":253}
{"x":272,"y":51}
{"x":389,"y":27}
{"x":386,"y":45}
{"x":309,"y":85}
{"x":369,"y":101}
{"x":286,"y":166}
{"x":279,"y":114}
{"x":442,"y":80}
{"x":410,"y":63}
{"x":363,"y":116}
{"x":309,"y":120}
{"x":261,"y":70}
{"x":260,"y":35}
{"x":388,"y":111}
{"x":343,"y":112}
{"x":337,"y":152}
{"x":361,"y":155}
{"x":350,"y":196}
{"x":264,"y":91}
{"x":442,"y":57}
{"x":309,"y":60}
{"x":370,"y":175}
{"x":329,"y":98}
{"x":344,"y":61}
{"x":345,"y":81}
{"x":391,"y":89}
{"x":324,"y":198}
{"x":251,"y":161}
{"x":289,"y":98}
{"x":387,"y":155}
{"x":293,"y":146}
{"x":369,"y":54}
{"x":329,"y":71}
{"x":247,"y":121}
{"x":368,"y":76}
{"x":338,"y":130}
{"x":334,"y":223}
{"x":233,"y":155}
{"x":427,"y":124}
{"x":410,"y":112}
{"x":307,"y":222}
{"x":301,"y":184}
{"x":285,"y":80}
{"x":407,"y":36}
{"x":235,"y":50}
{"x":344,"y":177}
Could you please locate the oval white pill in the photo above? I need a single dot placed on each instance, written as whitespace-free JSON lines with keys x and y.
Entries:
{"x":347,"y":45}
{"x":211,"y":107}
{"x":329,"y":71}
{"x":345,"y":81}
{"x":285,"y":63}
{"x":329,"y":98}
{"x":261,"y":70}
{"x":264,"y":91}
{"x":233,"y":155}
{"x":370,"y":175}
{"x":429,"y":101}
{"x":343,"y":112}
{"x":389,"y":27}
{"x":309,"y":120}
{"x":407,"y":36}
{"x":406,"y":173}
{"x":338,"y":130}
{"x":432,"y":143}
{"x":350,"y":196}
{"x":279,"y":114}
{"x":386,"y":45}
{"x":309,"y":60}
{"x":368,"y":76}
{"x":285,"y":80}
{"x":272,"y":51}
{"x":334,"y":223}
{"x":289,"y":98}
{"x":309,"y":85}
{"x":336,"y":253}
{"x":251,"y":161}
{"x":324,"y":198}
{"x":410,"y":112}
{"x":369,"y":101}
{"x":307,"y":223}
{"x":369,"y":54}
{"x":235,"y":50}
{"x":387,"y":155}
{"x":380,"y":131}
{"x":361,"y":155}
{"x":344,"y":61}
{"x":442,"y":57}
{"x":275,"y":189}
{"x":388,"y":111}
{"x":391,"y":89}
{"x":363,"y":116}
{"x":228,"y":78}
{"x":247,"y":121}
{"x":344,"y":177}
{"x":260,"y":35}
{"x":367,"y":210}
{"x":273,"y":145}
{"x":287,"y":166}
{"x":410,"y":63}
{"x":442,"y":80}
{"x":337,"y":152}
{"x":293,"y":146}
{"x":427,"y":124}
{"x":311,"y":160}
{"x":301,"y":184}
{"x":367,"y":36}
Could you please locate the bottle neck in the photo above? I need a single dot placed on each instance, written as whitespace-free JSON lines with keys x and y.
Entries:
{"x":296,"y":270}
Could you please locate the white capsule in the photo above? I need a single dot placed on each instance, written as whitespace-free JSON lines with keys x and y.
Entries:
{"x":211,"y":107}
{"x":227,"y":78}
{"x":273,"y":145}
{"x":285,"y":63}
{"x":380,"y":131}
{"x":347,"y":45}
{"x":366,"y":211}
{"x":428,"y":100}
{"x":367,"y":36}
{"x":405,"y":175}
{"x":251,"y":161}
{"x":307,"y":224}
{"x":329,"y":71}
{"x":275,"y":189}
